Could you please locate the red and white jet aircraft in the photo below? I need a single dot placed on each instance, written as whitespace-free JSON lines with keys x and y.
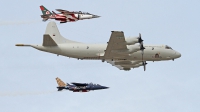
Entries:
{"x":65,"y":16}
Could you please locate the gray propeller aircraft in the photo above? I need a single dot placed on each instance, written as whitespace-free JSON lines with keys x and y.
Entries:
{"x":78,"y":87}
{"x":123,"y":53}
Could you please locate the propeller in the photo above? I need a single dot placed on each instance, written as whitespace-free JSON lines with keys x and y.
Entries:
{"x":144,"y":64}
{"x":142,"y":49}
{"x":140,"y":39}
{"x":141,"y":44}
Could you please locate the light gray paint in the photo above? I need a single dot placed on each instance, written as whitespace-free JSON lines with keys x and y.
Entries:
{"x":165,"y":87}
{"x":78,"y":50}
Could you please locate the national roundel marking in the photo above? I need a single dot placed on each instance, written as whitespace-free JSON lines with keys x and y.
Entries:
{"x":47,"y":12}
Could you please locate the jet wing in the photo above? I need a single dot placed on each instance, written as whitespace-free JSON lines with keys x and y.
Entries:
{"x":125,"y":65}
{"x":64,"y":11}
{"x":115,"y":44}
{"x":79,"y":84}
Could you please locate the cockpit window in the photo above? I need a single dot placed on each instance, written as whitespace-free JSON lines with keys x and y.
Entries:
{"x":82,"y":12}
{"x":167,"y":47}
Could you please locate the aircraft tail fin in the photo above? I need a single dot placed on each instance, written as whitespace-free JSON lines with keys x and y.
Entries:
{"x":60,"y":82}
{"x":54,"y":33}
{"x":48,"y":41}
{"x":45,"y":11}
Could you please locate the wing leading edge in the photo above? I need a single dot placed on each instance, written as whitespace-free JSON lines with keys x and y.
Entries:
{"x":115,"y":44}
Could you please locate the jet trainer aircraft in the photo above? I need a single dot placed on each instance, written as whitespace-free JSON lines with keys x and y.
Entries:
{"x":78,"y":87}
{"x":123,"y":53}
{"x":65,"y":16}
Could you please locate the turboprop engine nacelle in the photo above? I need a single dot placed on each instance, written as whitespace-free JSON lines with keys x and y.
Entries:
{"x":130,"y":49}
{"x":133,"y":48}
{"x":131,"y":40}
{"x":125,"y":63}
{"x":132,"y":66}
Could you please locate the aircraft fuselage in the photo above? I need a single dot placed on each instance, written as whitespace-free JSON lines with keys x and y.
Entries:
{"x":96,"y":52}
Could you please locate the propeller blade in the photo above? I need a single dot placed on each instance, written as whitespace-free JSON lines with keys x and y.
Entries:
{"x":140,"y":39}
{"x":141,"y":42}
{"x":144,"y":64}
{"x":142,"y":47}
{"x":142,"y":50}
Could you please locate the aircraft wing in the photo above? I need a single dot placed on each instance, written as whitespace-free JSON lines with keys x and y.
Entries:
{"x":79,"y":84}
{"x":113,"y":64}
{"x":115,"y":44}
{"x":64,"y":11}
{"x":125,"y":65}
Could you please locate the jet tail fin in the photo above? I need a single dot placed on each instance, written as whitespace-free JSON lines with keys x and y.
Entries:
{"x":61,"y":84}
{"x":45,"y":11}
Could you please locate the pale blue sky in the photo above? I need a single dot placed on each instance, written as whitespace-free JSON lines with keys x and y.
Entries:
{"x":168,"y":86}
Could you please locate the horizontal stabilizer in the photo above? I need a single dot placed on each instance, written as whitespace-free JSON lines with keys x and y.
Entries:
{"x":44,"y":16}
{"x":60,"y":88}
{"x":48,"y":41}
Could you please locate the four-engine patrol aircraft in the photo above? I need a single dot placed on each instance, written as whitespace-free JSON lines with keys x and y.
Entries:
{"x":78,"y":87}
{"x":65,"y":16}
{"x":123,"y":53}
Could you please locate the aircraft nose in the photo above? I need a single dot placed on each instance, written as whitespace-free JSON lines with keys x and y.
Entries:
{"x":95,"y":16}
{"x":104,"y":87}
{"x":178,"y":55}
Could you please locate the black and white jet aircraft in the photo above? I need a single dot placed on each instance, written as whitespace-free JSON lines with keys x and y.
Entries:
{"x":78,"y":87}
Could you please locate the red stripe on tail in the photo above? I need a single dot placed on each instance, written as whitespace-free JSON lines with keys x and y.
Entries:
{"x":41,"y":7}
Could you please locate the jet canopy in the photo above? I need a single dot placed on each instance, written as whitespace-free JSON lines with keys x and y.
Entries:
{"x":80,"y":12}
{"x":167,"y":47}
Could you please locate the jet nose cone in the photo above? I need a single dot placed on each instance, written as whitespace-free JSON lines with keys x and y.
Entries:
{"x":104,"y":87}
{"x":178,"y":55}
{"x":95,"y":16}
